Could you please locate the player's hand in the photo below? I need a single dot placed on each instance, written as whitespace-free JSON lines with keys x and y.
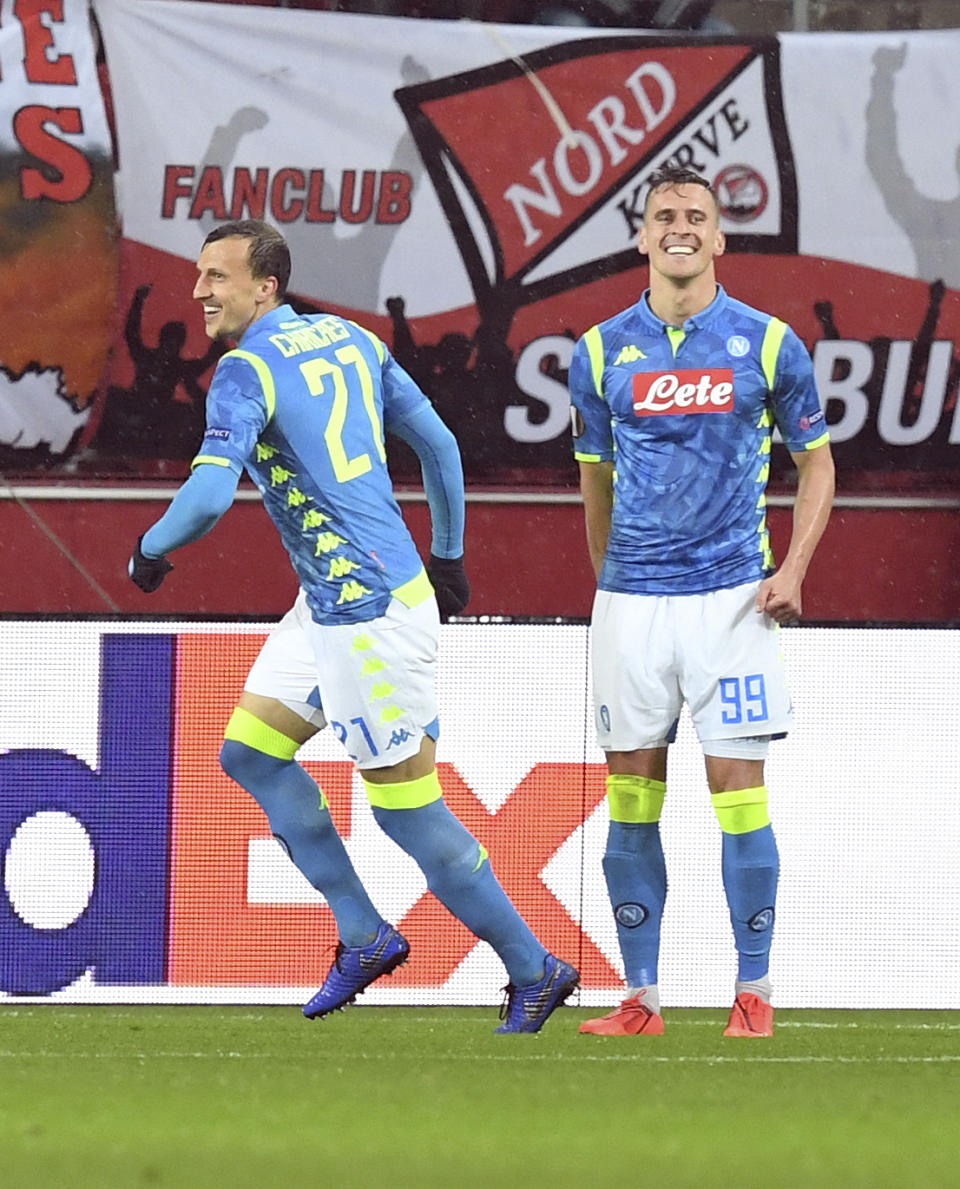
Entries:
{"x":449,"y":581}
{"x":779,"y":597}
{"x":147,"y":572}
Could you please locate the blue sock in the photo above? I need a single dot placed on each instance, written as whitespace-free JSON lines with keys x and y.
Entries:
{"x":291,"y":800}
{"x":636,"y":877}
{"x":751,"y":869}
{"x":460,"y":876}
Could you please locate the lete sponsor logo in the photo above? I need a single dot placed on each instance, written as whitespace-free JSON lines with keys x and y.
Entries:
{"x":659,"y":393}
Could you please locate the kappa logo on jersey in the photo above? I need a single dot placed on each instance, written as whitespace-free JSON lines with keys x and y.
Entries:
{"x":689,"y":391}
{"x":629,"y":354}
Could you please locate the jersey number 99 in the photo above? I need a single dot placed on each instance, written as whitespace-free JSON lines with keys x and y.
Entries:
{"x":744,"y":700}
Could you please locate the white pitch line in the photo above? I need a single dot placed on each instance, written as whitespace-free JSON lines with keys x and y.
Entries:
{"x":780,"y":1024}
{"x":633,"y":1058}
{"x":759,"y":1059}
{"x":849,"y":1024}
{"x":452,"y":1021}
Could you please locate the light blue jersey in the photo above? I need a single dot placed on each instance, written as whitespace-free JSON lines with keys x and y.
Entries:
{"x":302,"y":404}
{"x":687,"y":415}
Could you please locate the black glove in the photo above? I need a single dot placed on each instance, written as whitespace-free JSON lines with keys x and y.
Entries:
{"x":449,"y":581}
{"x":147,"y":572}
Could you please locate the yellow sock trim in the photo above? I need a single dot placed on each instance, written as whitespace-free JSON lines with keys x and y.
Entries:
{"x":245,"y":727}
{"x":740,"y":811}
{"x":635,"y":798}
{"x":405,"y":794}
{"x":482,"y":856}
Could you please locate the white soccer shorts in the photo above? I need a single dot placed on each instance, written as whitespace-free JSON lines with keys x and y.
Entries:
{"x":652,"y":653}
{"x":373,"y":682}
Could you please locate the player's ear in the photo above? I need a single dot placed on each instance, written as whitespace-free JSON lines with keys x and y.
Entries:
{"x":642,"y":240}
{"x":721,"y":243}
{"x":267,"y":288}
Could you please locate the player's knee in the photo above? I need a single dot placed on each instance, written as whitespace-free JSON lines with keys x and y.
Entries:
{"x":258,"y":736}
{"x":635,"y":799}
{"x":253,"y":751}
{"x":742,"y":811}
{"x":405,"y":794}
{"x":235,"y":759}
{"x":247,"y":766}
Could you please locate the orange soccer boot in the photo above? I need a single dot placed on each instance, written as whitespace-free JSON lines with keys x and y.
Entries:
{"x":750,"y":1016}
{"x":629,"y":1019}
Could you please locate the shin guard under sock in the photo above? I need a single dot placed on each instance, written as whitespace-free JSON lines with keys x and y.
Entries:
{"x":751,"y":870}
{"x":636,"y":876}
{"x":636,"y":873}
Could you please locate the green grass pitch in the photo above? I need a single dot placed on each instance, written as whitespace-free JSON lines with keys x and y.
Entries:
{"x":203,"y":1097}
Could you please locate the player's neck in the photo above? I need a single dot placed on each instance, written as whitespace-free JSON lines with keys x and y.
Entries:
{"x":674,"y":303}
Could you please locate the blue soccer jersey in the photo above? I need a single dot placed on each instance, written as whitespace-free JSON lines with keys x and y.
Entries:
{"x":303,"y":403}
{"x":686,"y":416}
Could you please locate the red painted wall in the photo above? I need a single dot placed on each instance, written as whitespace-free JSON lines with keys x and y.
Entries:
{"x":523,"y":559}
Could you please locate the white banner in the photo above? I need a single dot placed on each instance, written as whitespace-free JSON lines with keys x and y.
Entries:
{"x":472,"y":192}
{"x":329,"y":98}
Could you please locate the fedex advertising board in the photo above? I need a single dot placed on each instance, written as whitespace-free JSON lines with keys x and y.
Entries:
{"x":134,"y":870}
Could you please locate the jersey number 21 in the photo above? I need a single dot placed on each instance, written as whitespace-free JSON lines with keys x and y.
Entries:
{"x":318,"y":373}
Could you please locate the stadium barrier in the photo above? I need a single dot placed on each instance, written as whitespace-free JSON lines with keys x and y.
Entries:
{"x":134,"y":870}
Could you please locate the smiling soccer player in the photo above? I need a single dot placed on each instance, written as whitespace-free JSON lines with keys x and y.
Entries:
{"x":674,"y":403}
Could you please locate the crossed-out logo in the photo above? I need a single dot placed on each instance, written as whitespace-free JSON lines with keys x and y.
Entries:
{"x":742,"y":194}
{"x":116,"y":926}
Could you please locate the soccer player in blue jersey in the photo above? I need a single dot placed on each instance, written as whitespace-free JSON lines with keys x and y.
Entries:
{"x":302,"y":403}
{"x":674,"y":403}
